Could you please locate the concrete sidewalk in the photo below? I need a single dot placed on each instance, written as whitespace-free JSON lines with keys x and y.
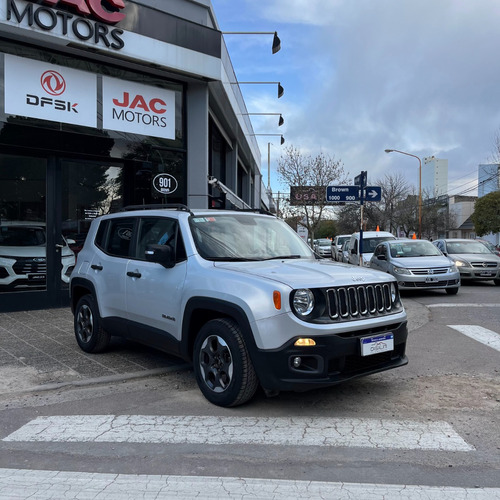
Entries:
{"x":38,"y":351}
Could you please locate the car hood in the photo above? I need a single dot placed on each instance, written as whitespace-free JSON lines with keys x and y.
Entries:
{"x":307,"y":273}
{"x":475,"y":257}
{"x":437,"y":261}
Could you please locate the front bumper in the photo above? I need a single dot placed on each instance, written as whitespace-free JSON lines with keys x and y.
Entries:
{"x":472,"y":273}
{"x":413,"y":282}
{"x":334,"y":359}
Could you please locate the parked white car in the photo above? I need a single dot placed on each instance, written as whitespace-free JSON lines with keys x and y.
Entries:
{"x":23,"y":257}
{"x":370,"y":240}
{"x":323,"y":247}
{"x":237,"y":294}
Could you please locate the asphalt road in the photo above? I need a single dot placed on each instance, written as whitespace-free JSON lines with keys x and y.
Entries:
{"x":134,"y":417}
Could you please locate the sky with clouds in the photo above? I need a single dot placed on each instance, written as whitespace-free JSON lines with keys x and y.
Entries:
{"x":362,"y":76}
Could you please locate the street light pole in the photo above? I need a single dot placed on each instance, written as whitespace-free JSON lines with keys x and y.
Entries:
{"x":419,"y":186}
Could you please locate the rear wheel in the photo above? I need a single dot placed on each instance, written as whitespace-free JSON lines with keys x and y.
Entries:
{"x":222,"y":365}
{"x":452,"y":291}
{"x":90,"y":335}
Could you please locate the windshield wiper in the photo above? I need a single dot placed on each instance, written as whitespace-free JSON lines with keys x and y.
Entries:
{"x":231,"y":259}
{"x":294,"y":256}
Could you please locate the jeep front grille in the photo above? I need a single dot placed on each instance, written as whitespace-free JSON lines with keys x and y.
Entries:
{"x":360,"y":301}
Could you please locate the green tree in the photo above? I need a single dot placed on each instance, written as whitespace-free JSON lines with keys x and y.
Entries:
{"x":486,"y":216}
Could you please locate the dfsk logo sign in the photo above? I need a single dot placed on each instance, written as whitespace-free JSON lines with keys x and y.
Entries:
{"x":53,"y":83}
{"x":39,"y":90}
{"x":139,"y":109}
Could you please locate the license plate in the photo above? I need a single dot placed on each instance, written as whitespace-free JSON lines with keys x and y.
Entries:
{"x":36,"y":277}
{"x":377,"y":344}
{"x":486,"y":273}
{"x":431,"y":280}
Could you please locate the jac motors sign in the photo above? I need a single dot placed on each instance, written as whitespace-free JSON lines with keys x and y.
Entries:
{"x":139,"y":109}
{"x":40,"y":90}
{"x":87,"y":20}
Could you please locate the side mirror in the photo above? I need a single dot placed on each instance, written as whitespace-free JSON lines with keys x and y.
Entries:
{"x":353,"y":251}
{"x":381,"y":257}
{"x":161,"y":254}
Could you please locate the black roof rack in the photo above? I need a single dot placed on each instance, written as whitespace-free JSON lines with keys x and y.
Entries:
{"x":176,"y":206}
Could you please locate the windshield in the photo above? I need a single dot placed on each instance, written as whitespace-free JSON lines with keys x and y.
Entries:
{"x":21,"y":236}
{"x":489,"y":246}
{"x":467,"y":247}
{"x":413,"y":249}
{"x":369,"y":244}
{"x":246,"y":237}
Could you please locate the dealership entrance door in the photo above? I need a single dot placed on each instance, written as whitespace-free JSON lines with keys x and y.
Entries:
{"x":46,"y":207}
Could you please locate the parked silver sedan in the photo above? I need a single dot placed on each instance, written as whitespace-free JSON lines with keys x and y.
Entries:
{"x":323,"y":247}
{"x":416,"y":264}
{"x":473,"y":259}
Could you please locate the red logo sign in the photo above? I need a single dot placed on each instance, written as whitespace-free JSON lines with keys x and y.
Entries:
{"x":155,"y":105}
{"x":94,"y":8}
{"x":53,"y":82}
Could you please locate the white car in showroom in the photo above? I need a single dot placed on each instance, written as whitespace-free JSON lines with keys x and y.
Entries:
{"x":23,"y":256}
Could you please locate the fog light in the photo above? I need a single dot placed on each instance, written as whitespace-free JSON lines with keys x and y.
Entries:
{"x":304,"y":342}
{"x":297,"y":361}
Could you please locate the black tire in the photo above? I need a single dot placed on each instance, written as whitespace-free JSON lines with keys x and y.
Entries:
{"x":222,"y":365}
{"x":90,"y":335}
{"x":452,"y":291}
{"x":497,"y":282}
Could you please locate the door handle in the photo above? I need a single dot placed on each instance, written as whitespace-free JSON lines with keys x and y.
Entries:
{"x":58,"y":245}
{"x":96,"y":267}
{"x":133,"y":274}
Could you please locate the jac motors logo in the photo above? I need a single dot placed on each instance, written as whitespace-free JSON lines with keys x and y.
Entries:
{"x":93,"y":8}
{"x":136,"y":108}
{"x":92,"y":26}
{"x":54,"y":84}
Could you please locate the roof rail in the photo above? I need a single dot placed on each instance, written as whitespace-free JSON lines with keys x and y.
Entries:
{"x":176,"y":206}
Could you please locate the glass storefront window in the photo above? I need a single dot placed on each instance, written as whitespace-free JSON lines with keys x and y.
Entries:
{"x":23,"y":240}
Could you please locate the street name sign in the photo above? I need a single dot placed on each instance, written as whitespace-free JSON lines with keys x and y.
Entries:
{"x":360,"y":180}
{"x":337,"y":194}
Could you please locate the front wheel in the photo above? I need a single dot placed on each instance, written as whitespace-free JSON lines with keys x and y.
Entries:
{"x":497,"y":282}
{"x":222,"y":365}
{"x":452,"y":291}
{"x":90,"y":335}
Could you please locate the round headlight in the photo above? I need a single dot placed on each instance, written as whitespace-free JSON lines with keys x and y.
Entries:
{"x":303,"y":302}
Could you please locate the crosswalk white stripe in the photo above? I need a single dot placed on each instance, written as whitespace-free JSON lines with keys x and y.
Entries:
{"x":463,"y":305}
{"x":483,"y":335}
{"x":17,"y":484}
{"x":217,"y":430}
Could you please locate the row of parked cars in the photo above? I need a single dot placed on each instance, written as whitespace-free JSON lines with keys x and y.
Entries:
{"x":418,"y":263}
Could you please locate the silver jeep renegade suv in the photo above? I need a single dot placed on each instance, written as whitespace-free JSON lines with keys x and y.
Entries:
{"x":239,"y":295}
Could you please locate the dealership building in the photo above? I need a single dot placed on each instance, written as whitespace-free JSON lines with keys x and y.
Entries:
{"x":106,"y":104}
